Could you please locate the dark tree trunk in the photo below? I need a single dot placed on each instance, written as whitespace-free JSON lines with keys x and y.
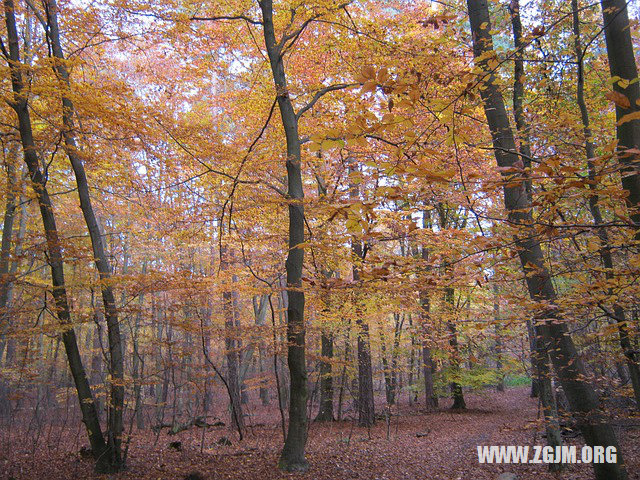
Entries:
{"x":619,"y":315}
{"x":535,"y":385}
{"x":539,"y":358}
{"x":365,"y":401}
{"x":116,"y":360}
{"x":137,"y":372}
{"x":622,"y":64}
{"x":498,"y":333}
{"x":5,"y":279}
{"x":366,"y":407}
{"x":325,"y":414}
{"x":231,"y":349}
{"x":456,"y":387}
{"x":292,"y":457}
{"x":54,"y":249}
{"x":428,"y":367}
{"x":389,"y":388}
{"x":583,"y":400}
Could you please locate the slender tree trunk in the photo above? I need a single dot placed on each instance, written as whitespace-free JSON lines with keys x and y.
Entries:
{"x":535,"y":385}
{"x":602,"y":233}
{"x":325,"y":413}
{"x":428,"y":367}
{"x":539,"y":358}
{"x":498,"y":333}
{"x":366,"y":407}
{"x":365,"y":401}
{"x":292,"y":457}
{"x":231,"y":350}
{"x":386,"y":370}
{"x":138,"y":360}
{"x":583,"y":400}
{"x":413,"y":397}
{"x":54,"y":249}
{"x":116,"y":360}
{"x":5,"y":254}
{"x":456,"y":387}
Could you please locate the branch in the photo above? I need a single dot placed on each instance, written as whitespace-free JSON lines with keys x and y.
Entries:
{"x":320,"y":93}
{"x":38,"y":15}
{"x":226,"y":17}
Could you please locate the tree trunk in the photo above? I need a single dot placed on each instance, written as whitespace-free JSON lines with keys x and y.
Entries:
{"x":622,"y":65}
{"x":366,"y":407}
{"x":325,"y":414}
{"x":428,"y":367}
{"x":137,"y":372}
{"x":231,"y":350}
{"x":54,"y":250}
{"x":456,"y":387}
{"x":116,"y":361}
{"x":5,"y":279}
{"x":498,"y":333}
{"x":292,"y":457}
{"x":583,"y":400}
{"x":602,"y":233}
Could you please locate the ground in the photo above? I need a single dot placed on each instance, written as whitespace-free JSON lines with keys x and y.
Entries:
{"x":444,"y":450}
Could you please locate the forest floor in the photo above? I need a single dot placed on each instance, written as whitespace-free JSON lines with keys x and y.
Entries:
{"x":339,"y":450}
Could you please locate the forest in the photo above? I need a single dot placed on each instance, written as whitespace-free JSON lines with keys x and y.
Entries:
{"x":320,"y":239}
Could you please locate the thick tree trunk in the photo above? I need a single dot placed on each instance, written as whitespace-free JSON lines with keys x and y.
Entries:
{"x":622,"y":65}
{"x":54,"y":249}
{"x":292,"y":457}
{"x":602,"y":233}
{"x":539,"y":358}
{"x":583,"y":400}
{"x":116,"y":361}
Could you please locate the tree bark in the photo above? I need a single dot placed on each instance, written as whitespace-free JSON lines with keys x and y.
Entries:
{"x":583,"y":400}
{"x":292,"y":457}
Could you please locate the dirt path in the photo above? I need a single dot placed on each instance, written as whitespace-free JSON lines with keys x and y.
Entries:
{"x":335,"y":451}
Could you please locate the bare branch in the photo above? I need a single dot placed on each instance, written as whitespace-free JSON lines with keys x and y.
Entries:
{"x":320,"y":93}
{"x":226,"y":17}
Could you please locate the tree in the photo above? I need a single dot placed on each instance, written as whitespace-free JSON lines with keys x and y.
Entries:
{"x":550,"y":327}
{"x":116,"y":361}
{"x":292,"y":457}
{"x":19,"y":103}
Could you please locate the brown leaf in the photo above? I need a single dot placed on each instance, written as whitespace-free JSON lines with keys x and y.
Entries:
{"x":618,"y":98}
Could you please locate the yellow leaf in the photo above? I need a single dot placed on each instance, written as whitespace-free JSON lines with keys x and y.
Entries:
{"x":629,"y":117}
